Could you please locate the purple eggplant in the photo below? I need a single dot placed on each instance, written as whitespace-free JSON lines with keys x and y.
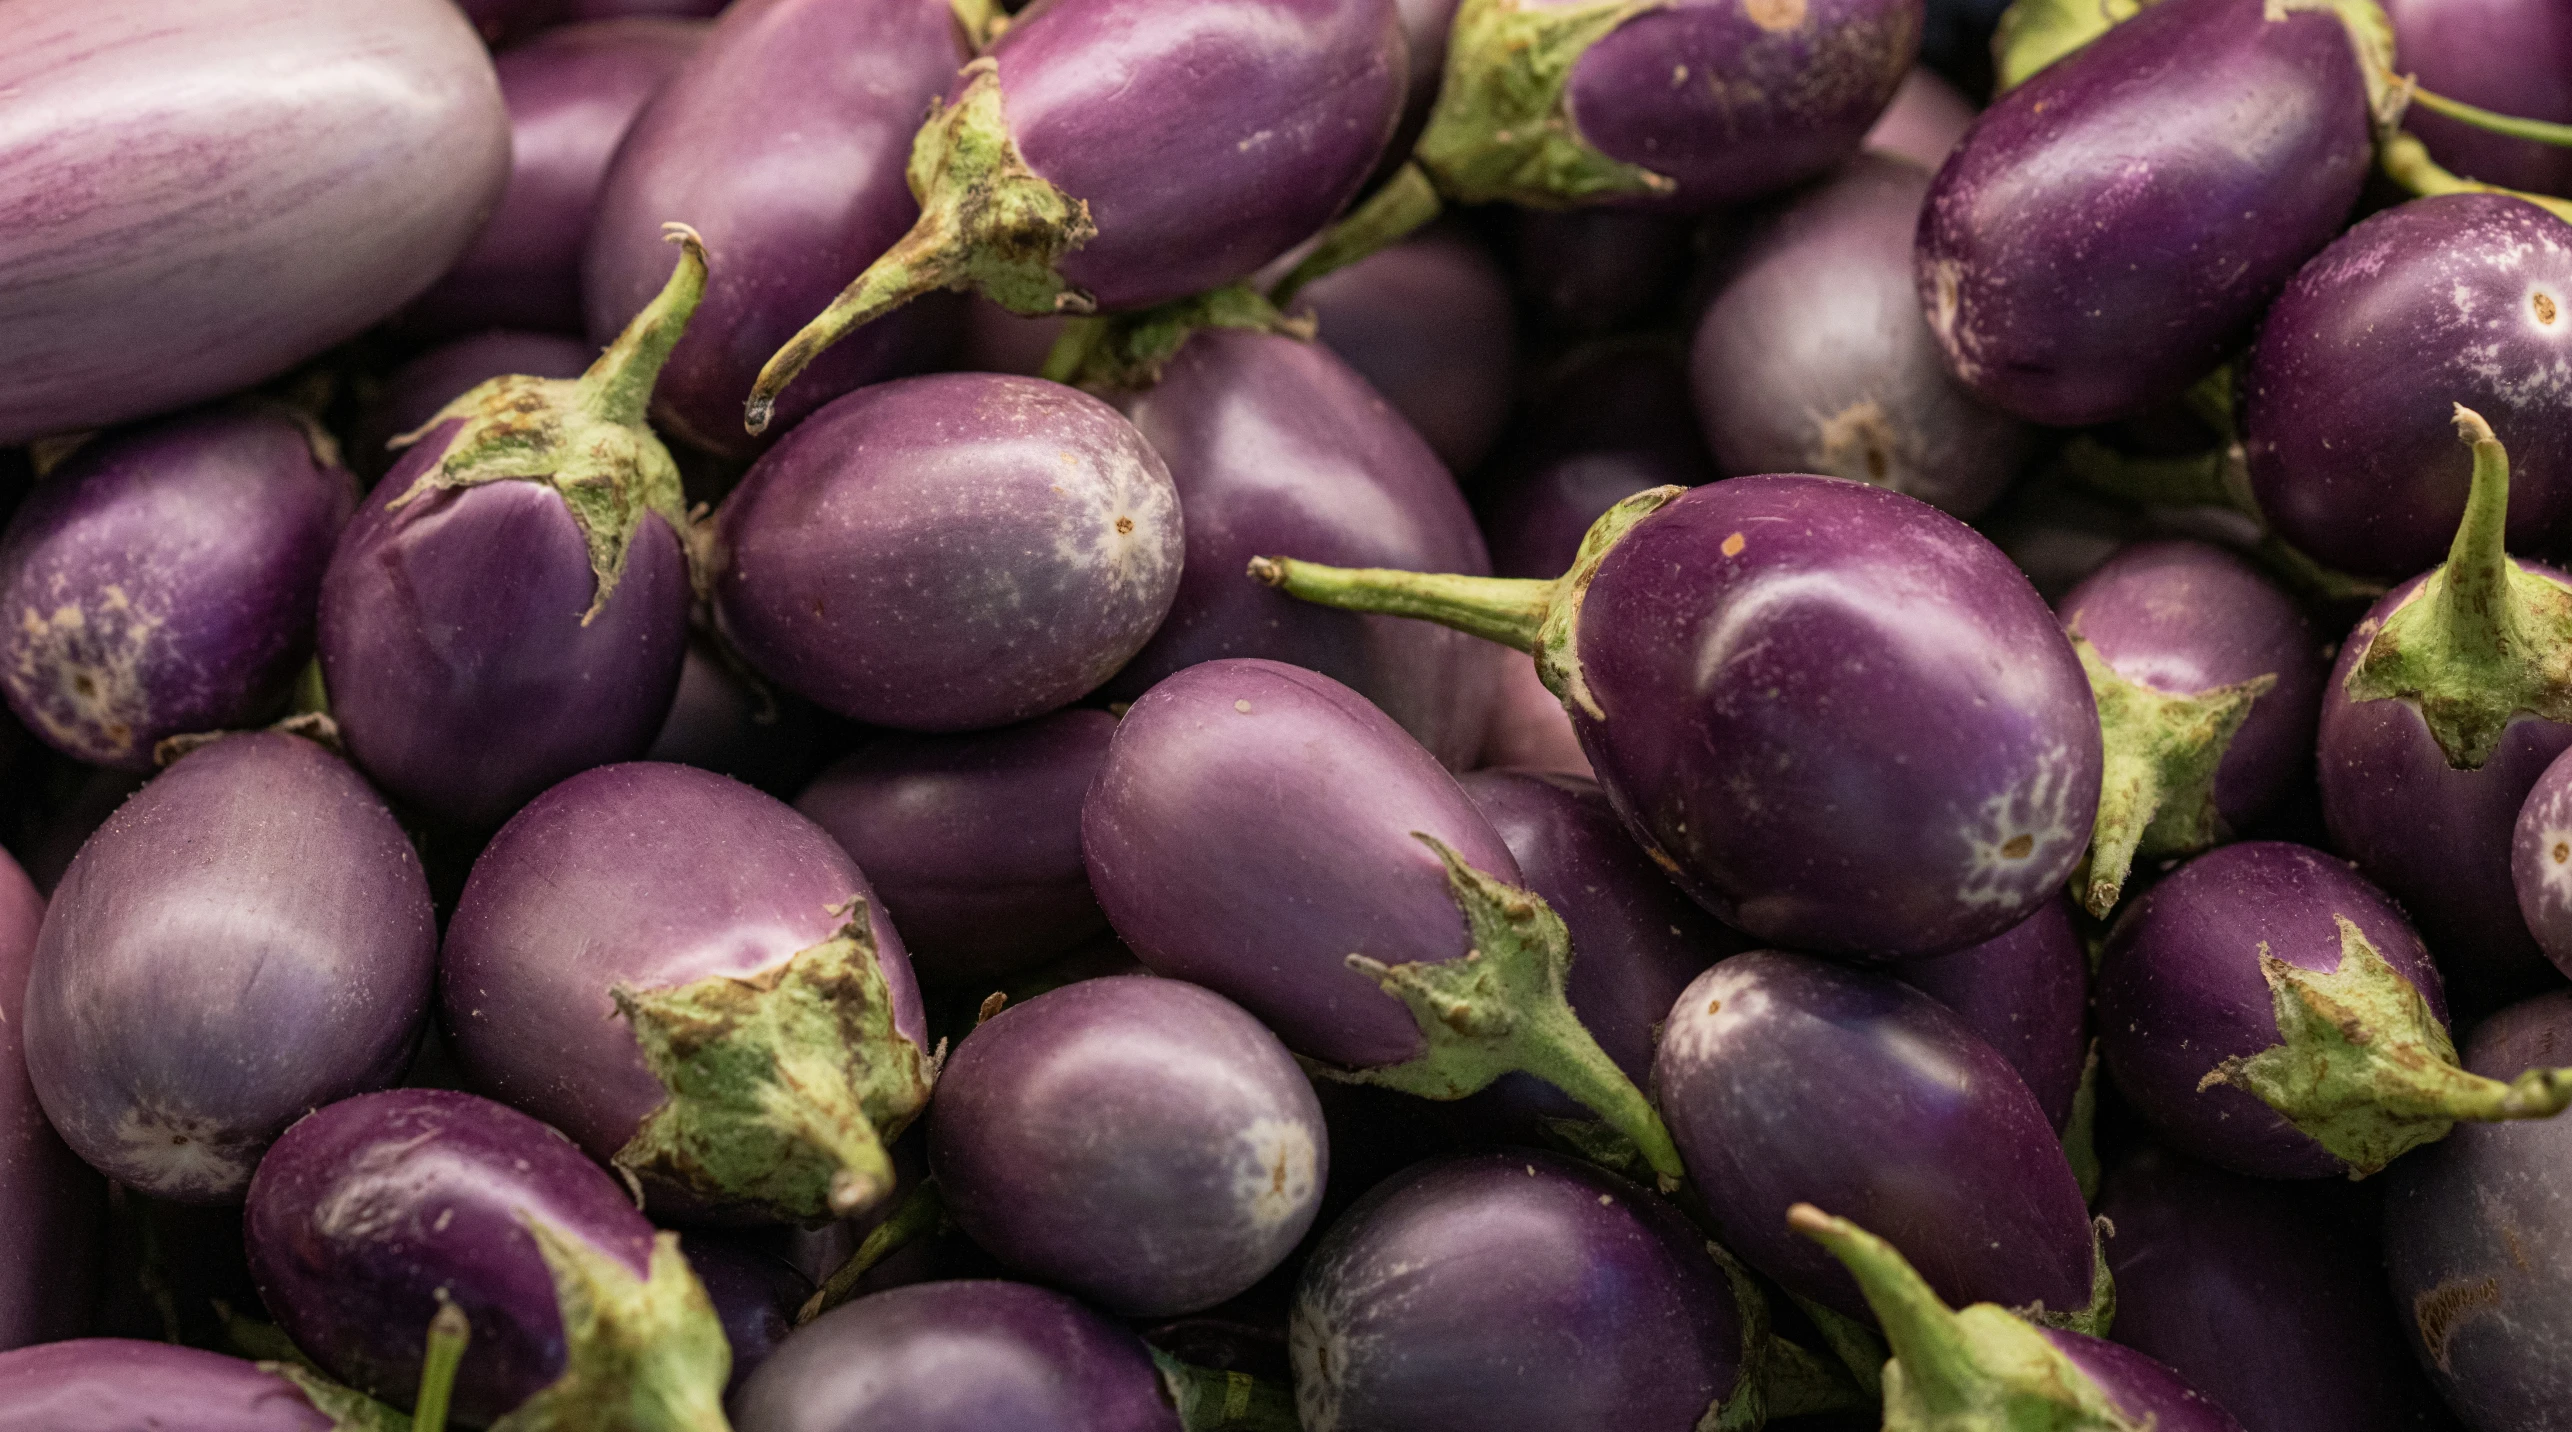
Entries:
{"x":1149,"y":150}
{"x":1529,"y":730}
{"x":2026,"y":991}
{"x":755,"y":1295}
{"x":1524,"y":1292}
{"x":1618,"y":419}
{"x":1277,"y":445}
{"x":1843,"y":719}
{"x":973,"y":841}
{"x":783,"y":141}
{"x":2208,"y":681}
{"x":1814,"y":356}
{"x":1427,"y":324}
{"x":1141,"y":1142}
{"x":949,"y":553}
{"x":579,"y":10}
{"x":1597,"y":271}
{"x":511,"y":605}
{"x":1935,"y":1138}
{"x":501,"y":21}
{"x":694,"y":983}
{"x":163,"y":580}
{"x":52,"y":1206}
{"x":373,"y":1213}
{"x":2511,"y":56}
{"x":1925,"y":122}
{"x":248,"y":937}
{"x":123,"y":1385}
{"x":186,"y":224}
{"x":2541,"y":861}
{"x":2460,"y":298}
{"x":419,"y":389}
{"x":726,"y":721}
{"x":2110,"y":230}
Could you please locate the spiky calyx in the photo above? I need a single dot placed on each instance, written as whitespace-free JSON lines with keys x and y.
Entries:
{"x":1503,"y":127}
{"x":2157,"y":791}
{"x":639,"y":1354}
{"x":348,"y":1409}
{"x":1745,"y":1407}
{"x":1126,"y":352}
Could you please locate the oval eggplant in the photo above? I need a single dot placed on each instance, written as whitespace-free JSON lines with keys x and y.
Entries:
{"x":124,"y":1385}
{"x":2509,"y":56}
{"x":52,"y":1206}
{"x":1427,"y":324}
{"x":415,"y":392}
{"x":2026,"y":991}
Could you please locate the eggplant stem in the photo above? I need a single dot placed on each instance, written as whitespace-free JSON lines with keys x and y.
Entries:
{"x":448,"y":1333}
{"x":1406,"y":202}
{"x":922,"y":1214}
{"x":2405,"y":160}
{"x":618,"y":386}
{"x":2535,"y":130}
{"x":1508,"y":610}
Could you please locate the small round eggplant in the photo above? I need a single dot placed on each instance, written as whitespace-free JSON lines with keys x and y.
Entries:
{"x":1141,"y":1142}
{"x":163,"y":580}
{"x":248,"y":937}
{"x":2510,"y":56}
{"x":1597,"y":271}
{"x":694,"y":983}
{"x":52,"y":1206}
{"x":973,"y":841}
{"x":416,"y":392}
{"x":2026,"y":991}
{"x":755,"y":1295}
{"x":1517,"y":1290}
{"x":1427,"y":324}
{"x":373,"y":1213}
{"x":958,"y":1357}
{"x":1925,"y":122}
{"x":124,"y":1385}
{"x":949,"y":553}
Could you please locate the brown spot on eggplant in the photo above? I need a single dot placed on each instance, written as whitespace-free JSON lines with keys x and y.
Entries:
{"x":2438,"y":1311}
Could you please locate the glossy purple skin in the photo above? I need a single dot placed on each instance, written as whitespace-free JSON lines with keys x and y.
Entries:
{"x":1206,"y":136}
{"x":950,"y":553}
{"x":2512,"y":56}
{"x":415,"y":392}
{"x":974,"y":840}
{"x":1592,"y":271}
{"x":2110,"y":230}
{"x":572,"y":93}
{"x":1814,"y":356}
{"x":2180,"y":991}
{"x":125,"y":1385}
{"x":2478,"y":1238}
{"x":2540,"y":862}
{"x":1529,"y":729}
{"x":182,"y":224}
{"x":644,"y":875}
{"x":2348,"y":399}
{"x":1926,"y":120}
{"x":1427,"y":323}
{"x":247,"y":938}
{"x":755,"y":1295}
{"x":619,"y":9}
{"x":1279,"y":447}
{"x":783,"y":141}
{"x":1617,"y":421}
{"x":957,"y":1357}
{"x":1253,"y":828}
{"x":52,"y":1206}
{"x":162,"y":581}
{"x":2026,"y":991}
{"x":1919,"y":734}
{"x":1938,"y":1147}
{"x":2144,"y":1390}
{"x":1513,"y":1292}
{"x":2183,"y":617}
{"x":365,"y":1211}
{"x":1142,"y":1142}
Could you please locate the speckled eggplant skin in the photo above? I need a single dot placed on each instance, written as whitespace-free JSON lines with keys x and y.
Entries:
{"x":950,"y":553}
{"x":973,"y":840}
{"x":1252,"y":828}
{"x":2110,"y":230}
{"x":185,"y":222}
{"x":1428,"y":324}
{"x":2026,"y":991}
{"x":2512,"y":56}
{"x":1940,"y":1150}
{"x":414,"y":392}
{"x":1919,"y":735}
{"x":248,"y":937}
{"x":1814,"y":355}
{"x":2478,"y":1239}
{"x":163,"y":581}
{"x":1279,"y":446}
{"x":1142,"y":1142}
{"x":755,"y":1295}
{"x":2141,"y":1388}
{"x":122,"y":1385}
{"x":783,"y":142}
{"x":2540,"y":862}
{"x":53,"y":1207}
{"x":958,"y":1357}
{"x":1512,"y":1292}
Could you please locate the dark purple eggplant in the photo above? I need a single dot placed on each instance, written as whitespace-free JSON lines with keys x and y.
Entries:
{"x":755,"y":1295}
{"x":502,"y":21}
{"x":1425,"y":25}
{"x":1427,"y":324}
{"x":694,"y":983}
{"x":375,"y":1212}
{"x":2026,"y":991}
{"x":1914,"y":734}
{"x":1597,"y":271}
{"x":248,"y":937}
{"x":2511,"y":56}
{"x":973,"y":841}
{"x":163,"y":580}
{"x":418,"y":390}
{"x":124,"y":1385}
{"x":949,"y":553}
{"x":726,"y":721}
{"x":1925,"y":122}
{"x":52,"y":1206}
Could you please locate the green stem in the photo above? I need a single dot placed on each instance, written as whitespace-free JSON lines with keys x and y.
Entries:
{"x":2406,"y":161}
{"x":2538,"y":130}
{"x":1508,"y":610}
{"x":979,"y":19}
{"x":618,"y":386}
{"x":922,"y":1214}
{"x":920,"y":263}
{"x":448,"y":1333}
{"x":1857,"y":1348}
{"x":1406,"y":202}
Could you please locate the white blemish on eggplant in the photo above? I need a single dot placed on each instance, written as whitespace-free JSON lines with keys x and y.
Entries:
{"x":82,"y":667}
{"x":187,"y":1155}
{"x":1275,"y":1181}
{"x":2012,"y":843}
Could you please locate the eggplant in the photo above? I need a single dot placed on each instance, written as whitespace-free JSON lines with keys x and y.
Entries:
{"x":163,"y":580}
{"x":580,"y":10}
{"x":1596,"y":271}
{"x":2504,"y":55}
{"x":141,"y":275}
{"x":1425,"y":26}
{"x":1615,"y":420}
{"x":697,"y":985}
{"x":415,"y":392}
{"x":2541,"y":861}
{"x":52,"y":1206}
{"x":125,"y":1385}
{"x":1427,"y":323}
{"x":248,"y":937}
{"x":755,"y":1295}
{"x":2026,"y":991}
{"x":727,"y":721}
{"x":1925,"y":122}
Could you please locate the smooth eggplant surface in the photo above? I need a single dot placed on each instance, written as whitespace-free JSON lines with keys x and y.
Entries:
{"x":53,"y":1207}
{"x":1427,"y":323}
{"x":127,"y":1385}
{"x":2026,"y":991}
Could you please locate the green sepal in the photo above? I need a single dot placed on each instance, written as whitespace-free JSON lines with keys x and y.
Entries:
{"x":1125,"y":352}
{"x":785,"y":1086}
{"x":348,"y":1409}
{"x":1558,"y":661}
{"x":1746,"y":1409}
{"x":2157,"y":786}
{"x":923,"y":1214}
{"x":2033,"y":34}
{"x":1503,"y":128}
{"x":987,"y":222}
{"x":2081,"y":1130}
{"x":1403,"y":204}
{"x":2094,"y":1318}
{"x":980,"y":20}
{"x":639,"y":1354}
{"x":1219,"y":1400}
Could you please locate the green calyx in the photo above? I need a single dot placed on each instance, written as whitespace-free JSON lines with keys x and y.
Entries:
{"x":2482,"y":639}
{"x":2035,"y":33}
{"x":1220,"y":1400}
{"x":639,"y":1354}
{"x":987,"y":222}
{"x":784,"y":1086}
{"x":2093,"y":1318}
{"x":1126,"y":352}
{"x":586,"y":437}
{"x":1503,"y":127}
{"x":348,"y":1409}
{"x":1746,"y":1407}
{"x":2157,"y":787}
{"x":2081,"y":1130}
{"x":2365,"y":1069}
{"x":1406,"y":202}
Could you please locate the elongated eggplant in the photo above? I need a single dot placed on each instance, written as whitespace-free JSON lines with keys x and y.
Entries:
{"x":1427,"y":324}
{"x":124,"y":1385}
{"x":2026,"y":991}
{"x":415,"y":392}
{"x":52,"y":1206}
{"x":2504,"y":55}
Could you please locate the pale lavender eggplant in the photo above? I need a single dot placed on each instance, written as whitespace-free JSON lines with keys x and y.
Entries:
{"x":1814,"y":355}
{"x":1926,"y":120}
{"x":1143,"y":1143}
{"x":184,"y":224}
{"x":163,"y":580}
{"x":1529,"y":730}
{"x":1277,"y":445}
{"x":1427,"y":323}
{"x":2026,"y":991}
{"x":973,"y":841}
{"x":1937,"y":1146}
{"x":247,"y":938}
{"x":52,"y":1206}
{"x":755,"y":1295}
{"x":2512,"y":56}
{"x":721,"y":720}
{"x":414,"y":392}
{"x":126,"y":1385}
{"x":2110,"y":230}
{"x":950,"y":553}
{"x":1595,"y":271}
{"x":1513,"y":1292}
{"x":958,"y":1357}
{"x":1617,"y":419}
{"x":2540,"y":861}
